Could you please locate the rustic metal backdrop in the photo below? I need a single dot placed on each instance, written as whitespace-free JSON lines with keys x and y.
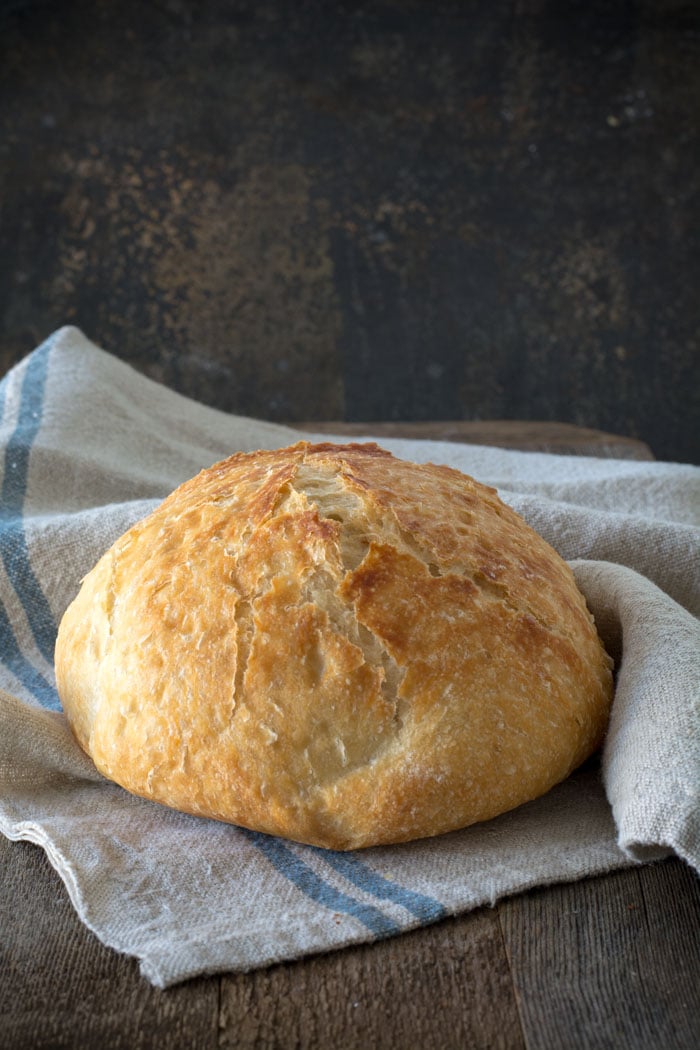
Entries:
{"x":453,"y":209}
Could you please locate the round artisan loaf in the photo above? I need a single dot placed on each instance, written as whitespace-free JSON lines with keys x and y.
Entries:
{"x":331,"y":644}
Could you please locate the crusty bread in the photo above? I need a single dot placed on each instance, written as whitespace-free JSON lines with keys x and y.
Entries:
{"x":328,"y":643}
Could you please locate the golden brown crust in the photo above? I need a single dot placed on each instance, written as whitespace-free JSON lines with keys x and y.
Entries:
{"x":328,"y":643}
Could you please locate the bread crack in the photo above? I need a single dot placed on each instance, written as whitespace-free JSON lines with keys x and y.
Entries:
{"x":324,"y":490}
{"x":243,"y":620}
{"x":110,"y":597}
{"x":333,"y":500}
{"x":321,"y":590}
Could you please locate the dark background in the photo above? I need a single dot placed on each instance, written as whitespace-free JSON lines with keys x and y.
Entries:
{"x":384,"y":210}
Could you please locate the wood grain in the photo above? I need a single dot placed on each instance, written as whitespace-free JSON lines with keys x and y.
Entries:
{"x":445,"y":986}
{"x":528,"y":436}
{"x":610,"y":962}
{"x":60,"y":987}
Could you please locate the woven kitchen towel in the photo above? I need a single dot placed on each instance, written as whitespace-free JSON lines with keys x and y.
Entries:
{"x":88,"y":446}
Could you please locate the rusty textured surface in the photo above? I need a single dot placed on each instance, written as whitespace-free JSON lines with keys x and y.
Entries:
{"x":378,"y":210}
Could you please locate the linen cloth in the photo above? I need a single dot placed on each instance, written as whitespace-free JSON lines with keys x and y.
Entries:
{"x":88,"y":447}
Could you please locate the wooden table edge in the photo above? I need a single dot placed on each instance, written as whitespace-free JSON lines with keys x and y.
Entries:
{"x":519,"y":435}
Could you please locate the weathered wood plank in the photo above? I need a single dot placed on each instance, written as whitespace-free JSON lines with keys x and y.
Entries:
{"x":610,"y":962}
{"x":607,"y":962}
{"x":444,"y":986}
{"x":60,"y":987}
{"x":561,"y":438}
{"x":669,"y":953}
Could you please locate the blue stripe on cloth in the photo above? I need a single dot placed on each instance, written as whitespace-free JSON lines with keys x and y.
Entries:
{"x":22,"y":669}
{"x":287,"y":863}
{"x":425,"y":908}
{"x":13,"y":541}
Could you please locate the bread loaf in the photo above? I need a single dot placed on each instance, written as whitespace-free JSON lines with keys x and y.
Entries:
{"x":331,"y":644}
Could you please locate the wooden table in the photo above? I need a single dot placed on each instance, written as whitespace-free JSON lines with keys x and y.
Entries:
{"x":608,"y":962}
